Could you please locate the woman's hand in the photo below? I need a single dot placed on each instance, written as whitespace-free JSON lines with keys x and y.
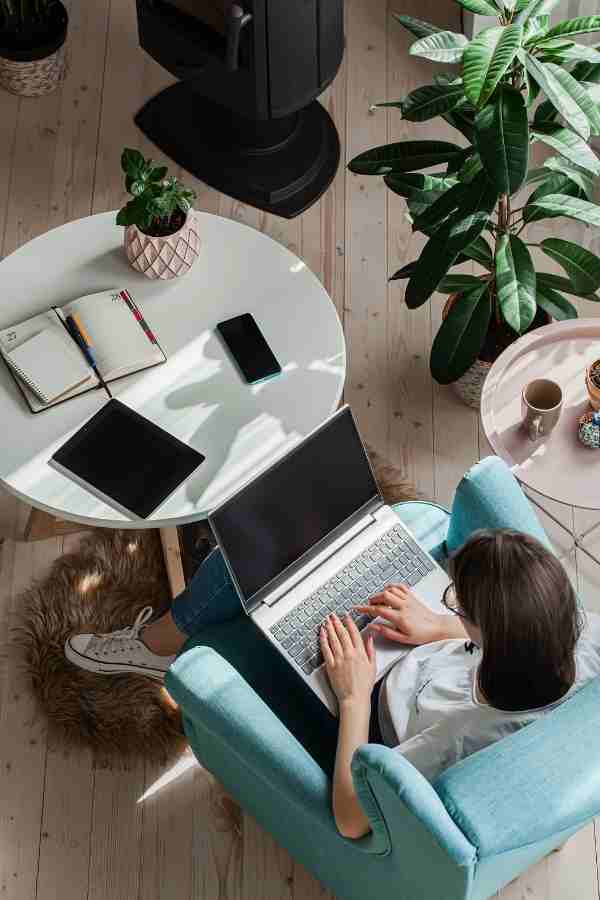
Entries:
{"x":407,"y":620}
{"x":349,"y":661}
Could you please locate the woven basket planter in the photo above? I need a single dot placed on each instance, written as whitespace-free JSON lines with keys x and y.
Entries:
{"x":469,"y":386}
{"x":163,"y":257}
{"x":34,"y":71}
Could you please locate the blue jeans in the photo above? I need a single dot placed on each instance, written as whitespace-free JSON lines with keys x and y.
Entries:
{"x":209,"y":599}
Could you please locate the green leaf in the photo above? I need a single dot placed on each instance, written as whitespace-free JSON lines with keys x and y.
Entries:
{"x":461,"y":335}
{"x":158,"y":173}
{"x":546,"y":112}
{"x":569,"y":145}
{"x":563,"y":91}
{"x":137,"y":188}
{"x":536,"y":175}
{"x":479,"y":250}
{"x":556,"y":183}
{"x":461,"y":120}
{"x":454,"y":236}
{"x":405,"y":272}
{"x":515,"y":282}
{"x":416,"y":26}
{"x":444,"y":46}
{"x":535,"y":27}
{"x":456,"y":284}
{"x":429,"y":101}
{"x":132,"y":162}
{"x":470,"y":169}
{"x":502,"y":136}
{"x":535,"y":8}
{"x":592,"y":89}
{"x":580,"y":265}
{"x":403,"y":157}
{"x":586,"y":71}
{"x":574,"y":173}
{"x":558,"y":283}
{"x":549,"y":45}
{"x":557,"y":306}
{"x":577,"y":52}
{"x":580,"y":25}
{"x":404,"y":183}
{"x":481,"y":7}
{"x":441,"y":208}
{"x":457,"y":162}
{"x":487,"y":58}
{"x":571,"y":207}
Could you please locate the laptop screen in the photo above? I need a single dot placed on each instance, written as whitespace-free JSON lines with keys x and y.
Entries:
{"x":280,"y":515}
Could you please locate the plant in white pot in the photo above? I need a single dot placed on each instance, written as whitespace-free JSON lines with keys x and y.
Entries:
{"x":161,"y":234}
{"x":466,"y":208}
{"x":32,"y":46}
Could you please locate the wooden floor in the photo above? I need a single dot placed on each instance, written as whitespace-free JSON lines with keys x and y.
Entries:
{"x":77,"y":828}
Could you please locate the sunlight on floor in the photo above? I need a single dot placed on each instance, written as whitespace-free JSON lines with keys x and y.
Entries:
{"x":184,"y":764}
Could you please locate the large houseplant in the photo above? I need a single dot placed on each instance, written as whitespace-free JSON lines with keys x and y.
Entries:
{"x":161,"y":235}
{"x":466,"y":208}
{"x":32,"y":45}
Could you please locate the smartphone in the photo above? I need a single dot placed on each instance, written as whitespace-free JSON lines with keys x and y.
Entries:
{"x":246,"y":343}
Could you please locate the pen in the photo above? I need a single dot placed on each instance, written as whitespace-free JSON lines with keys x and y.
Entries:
{"x":81,"y":338}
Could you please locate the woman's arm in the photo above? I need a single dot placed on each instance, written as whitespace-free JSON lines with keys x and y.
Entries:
{"x":351,"y":668}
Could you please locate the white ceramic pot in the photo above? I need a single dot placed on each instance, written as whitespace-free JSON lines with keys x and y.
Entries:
{"x":163,"y":257}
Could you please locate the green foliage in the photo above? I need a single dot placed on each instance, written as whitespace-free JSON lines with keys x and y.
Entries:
{"x":18,"y":15}
{"x":156,"y":197}
{"x":466,"y":207}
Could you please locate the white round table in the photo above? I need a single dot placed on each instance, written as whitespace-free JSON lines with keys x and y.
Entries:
{"x":197,"y":395}
{"x":558,"y":467}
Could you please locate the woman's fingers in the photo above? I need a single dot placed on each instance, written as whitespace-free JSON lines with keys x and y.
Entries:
{"x":325,"y":648}
{"x":391,"y":634}
{"x":353,"y":632}
{"x":334,"y":641}
{"x":342,"y":632}
{"x":370,"y":648}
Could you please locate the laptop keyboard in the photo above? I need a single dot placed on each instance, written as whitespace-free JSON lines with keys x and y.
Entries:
{"x":394,"y":557}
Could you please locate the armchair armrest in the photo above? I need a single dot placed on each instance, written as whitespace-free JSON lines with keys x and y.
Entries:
{"x":393,"y":794}
{"x":242,"y":742}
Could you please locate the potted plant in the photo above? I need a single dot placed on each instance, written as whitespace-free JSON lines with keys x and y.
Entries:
{"x":466,"y":207}
{"x":161,"y":237}
{"x":32,"y":46}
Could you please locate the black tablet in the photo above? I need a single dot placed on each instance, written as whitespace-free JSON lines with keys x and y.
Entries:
{"x":126,"y":460}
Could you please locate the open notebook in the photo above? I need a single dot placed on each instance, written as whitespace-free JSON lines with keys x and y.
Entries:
{"x":122,"y":340}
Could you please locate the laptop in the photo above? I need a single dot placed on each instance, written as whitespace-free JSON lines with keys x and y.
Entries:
{"x":310,"y":535}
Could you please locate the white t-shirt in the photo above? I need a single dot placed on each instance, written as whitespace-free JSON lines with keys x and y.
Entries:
{"x":429,"y":711}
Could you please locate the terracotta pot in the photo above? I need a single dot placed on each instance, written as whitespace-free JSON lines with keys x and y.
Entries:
{"x":37,"y":66}
{"x":163,"y":257}
{"x":469,"y":386}
{"x":593,"y":391}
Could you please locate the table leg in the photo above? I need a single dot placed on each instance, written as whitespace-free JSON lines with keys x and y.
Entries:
{"x":172,"y":556}
{"x":578,"y":539}
{"x":42,"y":525}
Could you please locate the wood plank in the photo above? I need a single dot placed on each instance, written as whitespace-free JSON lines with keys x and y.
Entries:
{"x":23,"y":746}
{"x":9,"y":112}
{"x":365,"y":308}
{"x":116,"y":856}
{"x":67,"y":814}
{"x":267,"y":872}
{"x":566,"y":875}
{"x":217,"y":841}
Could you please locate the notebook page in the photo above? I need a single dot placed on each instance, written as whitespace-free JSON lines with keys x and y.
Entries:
{"x":13,"y":337}
{"x":120,"y":343}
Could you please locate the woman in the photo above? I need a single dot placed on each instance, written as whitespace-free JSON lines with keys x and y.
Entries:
{"x":509,"y":650}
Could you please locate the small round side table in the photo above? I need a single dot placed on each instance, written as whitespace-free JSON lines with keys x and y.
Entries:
{"x":558,"y":467}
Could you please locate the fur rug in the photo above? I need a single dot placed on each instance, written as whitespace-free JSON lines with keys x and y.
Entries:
{"x":100,"y":587}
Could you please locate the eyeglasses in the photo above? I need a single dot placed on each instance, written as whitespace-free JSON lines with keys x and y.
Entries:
{"x":450,"y":601}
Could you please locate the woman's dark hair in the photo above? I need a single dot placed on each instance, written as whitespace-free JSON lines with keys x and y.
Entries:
{"x":519,"y":596}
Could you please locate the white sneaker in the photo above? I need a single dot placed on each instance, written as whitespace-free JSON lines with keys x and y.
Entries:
{"x":118,"y":652}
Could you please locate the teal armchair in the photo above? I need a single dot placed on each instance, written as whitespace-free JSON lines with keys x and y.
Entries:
{"x":479,"y":825}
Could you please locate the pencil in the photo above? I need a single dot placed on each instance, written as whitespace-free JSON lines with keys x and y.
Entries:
{"x":83,"y":339}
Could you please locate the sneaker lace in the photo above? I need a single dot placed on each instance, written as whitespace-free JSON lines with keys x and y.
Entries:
{"x":123,"y":638}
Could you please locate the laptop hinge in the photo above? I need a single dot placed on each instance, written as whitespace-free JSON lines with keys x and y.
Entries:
{"x":333,"y":547}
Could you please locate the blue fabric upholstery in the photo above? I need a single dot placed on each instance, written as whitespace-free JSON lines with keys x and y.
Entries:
{"x":483,"y":821}
{"x":489,"y":496}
